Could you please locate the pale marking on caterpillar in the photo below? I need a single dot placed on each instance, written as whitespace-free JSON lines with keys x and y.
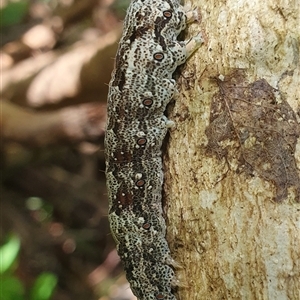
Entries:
{"x":139,"y":91}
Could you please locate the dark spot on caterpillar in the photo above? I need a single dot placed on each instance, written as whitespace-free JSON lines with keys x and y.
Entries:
{"x":160,"y":296}
{"x":148,"y":102}
{"x":140,"y":183}
{"x":120,"y":156}
{"x":123,"y":200}
{"x":141,"y":141}
{"x":167,"y":13}
{"x":120,"y":76}
{"x":158,"y":56}
{"x":146,"y":226}
{"x":138,"y":33}
{"x":160,"y":24}
{"x":181,"y":25}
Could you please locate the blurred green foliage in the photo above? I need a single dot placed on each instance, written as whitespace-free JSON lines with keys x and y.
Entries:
{"x":13,"y":12}
{"x":11,"y":287}
{"x":43,"y":286}
{"x":9,"y":253}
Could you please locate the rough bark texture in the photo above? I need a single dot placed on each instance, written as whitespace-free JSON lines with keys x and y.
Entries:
{"x":232,"y":163}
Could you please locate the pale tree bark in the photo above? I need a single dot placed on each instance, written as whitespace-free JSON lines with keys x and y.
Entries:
{"x":232,"y":165}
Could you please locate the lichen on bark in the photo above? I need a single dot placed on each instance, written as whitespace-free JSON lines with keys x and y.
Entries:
{"x":258,"y":117}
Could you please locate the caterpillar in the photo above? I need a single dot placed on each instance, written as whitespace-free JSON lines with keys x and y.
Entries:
{"x":139,"y":91}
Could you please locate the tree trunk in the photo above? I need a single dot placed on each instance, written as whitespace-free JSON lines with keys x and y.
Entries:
{"x":232,"y":179}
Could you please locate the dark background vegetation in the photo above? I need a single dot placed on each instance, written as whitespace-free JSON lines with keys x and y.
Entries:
{"x":56,"y":61}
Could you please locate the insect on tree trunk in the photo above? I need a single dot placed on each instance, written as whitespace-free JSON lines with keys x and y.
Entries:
{"x":232,"y":179}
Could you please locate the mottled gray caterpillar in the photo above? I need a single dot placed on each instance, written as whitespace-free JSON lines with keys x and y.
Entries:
{"x":139,"y":91}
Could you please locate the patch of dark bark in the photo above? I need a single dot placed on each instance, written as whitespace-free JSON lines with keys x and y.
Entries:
{"x":265,"y":126}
